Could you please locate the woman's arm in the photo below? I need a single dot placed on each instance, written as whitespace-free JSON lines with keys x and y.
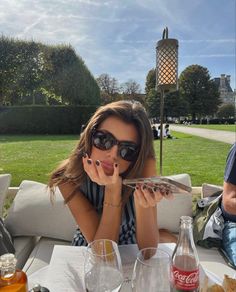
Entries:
{"x":109,"y":225}
{"x":82,"y":210}
{"x":145,"y":208}
{"x":90,"y":223}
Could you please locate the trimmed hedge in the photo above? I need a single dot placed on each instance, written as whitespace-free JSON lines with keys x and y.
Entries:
{"x":44,"y":119}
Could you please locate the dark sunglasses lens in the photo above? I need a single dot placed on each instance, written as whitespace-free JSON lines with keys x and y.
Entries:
{"x":128,"y":153}
{"x":103,"y":141}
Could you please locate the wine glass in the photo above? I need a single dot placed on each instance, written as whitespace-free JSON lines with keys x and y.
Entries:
{"x":151,"y":271}
{"x":103,"y":268}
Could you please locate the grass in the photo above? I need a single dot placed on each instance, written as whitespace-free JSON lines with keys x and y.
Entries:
{"x":33,"y":157}
{"x":202,"y":159}
{"x":230,"y":128}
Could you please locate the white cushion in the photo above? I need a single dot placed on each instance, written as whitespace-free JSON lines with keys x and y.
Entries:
{"x":23,"y":247}
{"x":41,"y":254}
{"x":33,"y":214}
{"x":208,"y":190}
{"x":5,"y":180}
{"x":170,"y":211}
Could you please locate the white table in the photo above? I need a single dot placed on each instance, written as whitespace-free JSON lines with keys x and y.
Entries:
{"x":65,"y":272}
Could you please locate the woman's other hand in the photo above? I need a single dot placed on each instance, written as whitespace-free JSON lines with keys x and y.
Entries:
{"x":149,"y":196}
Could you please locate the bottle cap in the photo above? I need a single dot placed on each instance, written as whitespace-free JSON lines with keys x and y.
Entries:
{"x":39,"y":288}
{"x":7,"y":260}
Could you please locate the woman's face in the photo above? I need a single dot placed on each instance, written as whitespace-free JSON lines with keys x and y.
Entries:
{"x":122,"y":132}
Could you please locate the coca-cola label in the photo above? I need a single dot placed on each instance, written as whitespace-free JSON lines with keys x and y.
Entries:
{"x":185,"y":280}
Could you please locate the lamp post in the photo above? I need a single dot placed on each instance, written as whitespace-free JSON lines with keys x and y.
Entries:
{"x":166,"y":75}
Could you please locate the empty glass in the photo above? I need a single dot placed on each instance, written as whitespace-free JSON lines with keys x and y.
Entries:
{"x":151,"y":271}
{"x":103,"y":268}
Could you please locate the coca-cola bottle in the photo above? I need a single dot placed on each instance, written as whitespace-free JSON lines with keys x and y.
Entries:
{"x":185,"y":262}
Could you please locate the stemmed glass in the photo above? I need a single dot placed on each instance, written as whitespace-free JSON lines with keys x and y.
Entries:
{"x":151,"y":271}
{"x":103,"y":268}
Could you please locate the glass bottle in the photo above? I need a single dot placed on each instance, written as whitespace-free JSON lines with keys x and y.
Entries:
{"x":12,"y":279}
{"x":185,"y":262}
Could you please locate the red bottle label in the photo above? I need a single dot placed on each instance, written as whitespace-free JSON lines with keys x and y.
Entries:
{"x":185,"y":280}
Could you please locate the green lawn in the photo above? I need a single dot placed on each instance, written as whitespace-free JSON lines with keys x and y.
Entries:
{"x":231,"y":128}
{"x":34,"y":157}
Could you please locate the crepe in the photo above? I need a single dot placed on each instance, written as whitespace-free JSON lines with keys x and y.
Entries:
{"x":229,"y":284}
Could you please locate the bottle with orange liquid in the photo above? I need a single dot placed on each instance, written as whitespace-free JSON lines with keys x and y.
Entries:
{"x":11,"y":279}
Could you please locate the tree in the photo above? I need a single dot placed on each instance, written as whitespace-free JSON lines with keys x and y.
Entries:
{"x":107,"y":84}
{"x":174,"y":105}
{"x":33,"y":73}
{"x":131,"y":88}
{"x":198,"y":91}
{"x":150,"y":81}
{"x":226,"y":111}
{"x":109,"y":88}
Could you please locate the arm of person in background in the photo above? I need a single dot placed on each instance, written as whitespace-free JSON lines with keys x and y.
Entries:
{"x":229,"y":189}
{"x":229,"y":198}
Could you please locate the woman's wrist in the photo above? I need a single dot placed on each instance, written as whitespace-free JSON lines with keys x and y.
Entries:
{"x":113,"y":195}
{"x":112,"y":205}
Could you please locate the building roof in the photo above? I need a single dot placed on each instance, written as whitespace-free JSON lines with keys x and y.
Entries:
{"x":217,"y":82}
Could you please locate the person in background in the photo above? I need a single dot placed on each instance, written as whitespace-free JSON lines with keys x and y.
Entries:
{"x":155,"y":132}
{"x":228,"y":208}
{"x":228,"y":204}
{"x":117,"y":143}
{"x":167,"y":132}
{"x":82,"y":128}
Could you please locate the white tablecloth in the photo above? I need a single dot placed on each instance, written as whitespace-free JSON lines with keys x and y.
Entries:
{"x":65,"y":271}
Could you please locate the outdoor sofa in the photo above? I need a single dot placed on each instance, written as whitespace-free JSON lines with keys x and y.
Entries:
{"x":37,"y":223}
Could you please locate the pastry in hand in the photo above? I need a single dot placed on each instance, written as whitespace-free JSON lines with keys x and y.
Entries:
{"x":215,"y":288}
{"x":229,"y":284}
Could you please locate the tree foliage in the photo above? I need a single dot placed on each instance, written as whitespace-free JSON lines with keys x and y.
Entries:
{"x":112,"y":91}
{"x":174,"y":105}
{"x":226,"y":111}
{"x":33,"y":73}
{"x":198,"y":91}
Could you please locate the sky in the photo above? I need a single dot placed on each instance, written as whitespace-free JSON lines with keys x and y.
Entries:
{"x":119,"y":37}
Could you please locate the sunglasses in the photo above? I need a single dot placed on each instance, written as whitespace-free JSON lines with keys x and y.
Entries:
{"x":104,"y":140}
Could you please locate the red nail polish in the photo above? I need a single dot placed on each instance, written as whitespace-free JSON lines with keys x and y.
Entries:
{"x":116,"y":164}
{"x":97,"y":162}
{"x":89,"y":161}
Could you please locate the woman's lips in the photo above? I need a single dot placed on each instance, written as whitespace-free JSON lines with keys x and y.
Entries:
{"x":107,"y":166}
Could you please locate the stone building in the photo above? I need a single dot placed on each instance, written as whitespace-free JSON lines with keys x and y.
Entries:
{"x":227,"y":95}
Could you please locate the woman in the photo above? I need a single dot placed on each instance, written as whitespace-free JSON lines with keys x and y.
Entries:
{"x":117,"y":143}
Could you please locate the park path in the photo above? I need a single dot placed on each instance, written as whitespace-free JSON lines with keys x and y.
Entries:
{"x":222,"y":136}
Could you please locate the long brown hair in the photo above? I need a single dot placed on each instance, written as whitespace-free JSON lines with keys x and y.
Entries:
{"x":131,"y":112}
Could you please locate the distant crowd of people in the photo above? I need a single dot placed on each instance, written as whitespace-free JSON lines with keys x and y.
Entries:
{"x":166,"y":132}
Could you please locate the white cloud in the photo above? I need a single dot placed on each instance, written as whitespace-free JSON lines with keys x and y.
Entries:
{"x":119,"y":37}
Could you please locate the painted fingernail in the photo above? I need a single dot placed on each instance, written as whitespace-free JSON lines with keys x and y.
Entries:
{"x":154,"y":189}
{"x":144,"y":187}
{"x":136,"y":188}
{"x":89,"y":161}
{"x":84,"y":154}
{"x":97,"y":162}
{"x":116,"y":164}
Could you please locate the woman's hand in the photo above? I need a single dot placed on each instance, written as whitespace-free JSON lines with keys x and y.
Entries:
{"x":96,"y":173}
{"x":148,"y":196}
